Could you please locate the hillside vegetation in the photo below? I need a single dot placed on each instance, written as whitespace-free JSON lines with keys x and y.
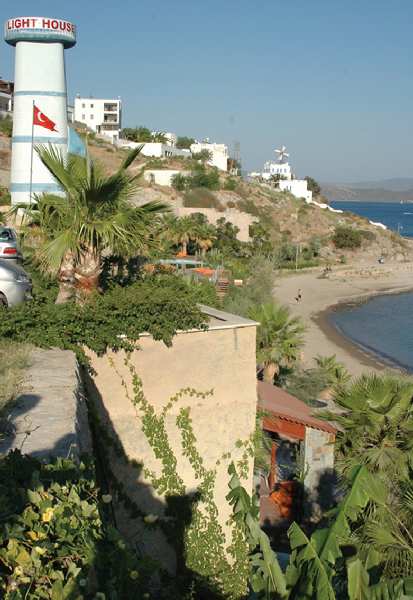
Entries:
{"x":284,"y":221}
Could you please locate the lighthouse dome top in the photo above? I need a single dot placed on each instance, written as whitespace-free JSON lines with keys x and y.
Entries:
{"x":40,"y":29}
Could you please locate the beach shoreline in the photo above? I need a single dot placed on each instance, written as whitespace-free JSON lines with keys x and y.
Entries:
{"x":321,"y":297}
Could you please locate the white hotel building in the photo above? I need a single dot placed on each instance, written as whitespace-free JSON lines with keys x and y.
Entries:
{"x":287,"y":182}
{"x":103,"y":116}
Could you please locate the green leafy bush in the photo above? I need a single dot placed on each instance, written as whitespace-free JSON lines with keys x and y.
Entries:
{"x":204,"y":178}
{"x":5,"y":197}
{"x":347,"y":237}
{"x":161,"y":305}
{"x":56,"y":539}
{"x":184,"y":142}
{"x":179,"y":182}
{"x":6,"y":126}
{"x":231,"y":184}
{"x":202,"y":198}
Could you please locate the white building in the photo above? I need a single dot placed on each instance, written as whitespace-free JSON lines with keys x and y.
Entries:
{"x":155,"y":149}
{"x":70,"y":113}
{"x":104,"y":116}
{"x":287,"y":181}
{"x":162,"y":176}
{"x":219,"y":153}
{"x":6,"y":98}
{"x":296,"y":187}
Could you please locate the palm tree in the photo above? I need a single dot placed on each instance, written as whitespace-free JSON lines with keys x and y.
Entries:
{"x":279,"y":337}
{"x":93,"y":217}
{"x":334,"y":372}
{"x":183,"y":231}
{"x":376,"y":426}
{"x":205,"y":237}
{"x":159,"y":136}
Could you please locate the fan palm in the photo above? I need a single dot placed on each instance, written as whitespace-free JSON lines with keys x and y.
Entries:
{"x":182,"y":231}
{"x":376,"y":425}
{"x":93,"y":216}
{"x":279,"y":337}
{"x":205,"y":237}
{"x":386,"y":533}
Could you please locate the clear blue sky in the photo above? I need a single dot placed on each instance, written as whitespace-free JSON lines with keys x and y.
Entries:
{"x":330,"y":79}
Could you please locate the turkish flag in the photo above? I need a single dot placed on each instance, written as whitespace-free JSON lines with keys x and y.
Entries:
{"x":40,"y":119}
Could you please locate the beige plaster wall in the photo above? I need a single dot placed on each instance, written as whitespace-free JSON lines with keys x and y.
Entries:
{"x":218,"y":359}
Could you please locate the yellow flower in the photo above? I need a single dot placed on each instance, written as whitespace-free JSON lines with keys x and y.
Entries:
{"x":32,"y":535}
{"x":134,"y":574}
{"x":47,"y":515}
{"x":40,"y":550}
{"x":18,"y":571}
{"x":150,"y":518}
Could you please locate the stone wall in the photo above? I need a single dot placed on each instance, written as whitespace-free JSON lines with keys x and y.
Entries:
{"x":239,"y":219}
{"x":319,"y":464}
{"x":49,"y":417}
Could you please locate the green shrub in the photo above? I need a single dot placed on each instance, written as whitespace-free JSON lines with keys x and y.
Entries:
{"x":184,"y":142}
{"x":156,"y":163}
{"x":5,"y":197}
{"x":6,"y":126}
{"x":179,"y":182}
{"x":204,"y":178}
{"x":347,"y":237}
{"x":56,"y":538}
{"x":230,"y":184}
{"x":249,"y":206}
{"x":160,"y":305}
{"x":368,"y":235}
{"x":202,"y":198}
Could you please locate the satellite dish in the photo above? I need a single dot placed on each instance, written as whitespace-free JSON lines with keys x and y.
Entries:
{"x":282,"y":153}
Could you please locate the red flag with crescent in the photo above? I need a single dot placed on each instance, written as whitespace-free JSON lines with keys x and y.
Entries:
{"x":39,"y":118}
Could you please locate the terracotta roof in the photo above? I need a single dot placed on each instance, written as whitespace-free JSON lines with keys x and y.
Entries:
{"x":283,"y":405}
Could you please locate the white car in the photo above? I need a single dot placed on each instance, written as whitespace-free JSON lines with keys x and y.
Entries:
{"x":15,"y":284}
{"x":9,"y":246}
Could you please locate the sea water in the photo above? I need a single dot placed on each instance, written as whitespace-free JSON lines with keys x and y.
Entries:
{"x":396,"y":216}
{"x":382,"y":325}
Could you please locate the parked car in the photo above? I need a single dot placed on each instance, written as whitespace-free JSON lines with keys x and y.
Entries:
{"x":9,"y":246}
{"x":15,"y":284}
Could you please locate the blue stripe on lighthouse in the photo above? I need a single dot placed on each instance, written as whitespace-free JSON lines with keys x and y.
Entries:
{"x":27,"y":139}
{"x":36,"y":187}
{"x":39,"y":93}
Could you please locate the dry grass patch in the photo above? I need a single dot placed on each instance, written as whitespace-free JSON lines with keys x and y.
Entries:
{"x":14,"y":360}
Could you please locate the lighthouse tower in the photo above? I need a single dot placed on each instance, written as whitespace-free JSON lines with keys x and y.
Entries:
{"x":40,"y":100}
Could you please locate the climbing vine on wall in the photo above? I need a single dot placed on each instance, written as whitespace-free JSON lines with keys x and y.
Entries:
{"x":207,"y":553}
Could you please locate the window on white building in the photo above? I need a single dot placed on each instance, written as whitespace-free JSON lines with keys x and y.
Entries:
{"x":92,"y":105}
{"x":83,"y":117}
{"x":83,"y":105}
{"x":92,"y":117}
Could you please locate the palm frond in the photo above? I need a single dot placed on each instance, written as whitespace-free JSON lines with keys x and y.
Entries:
{"x":130,"y":158}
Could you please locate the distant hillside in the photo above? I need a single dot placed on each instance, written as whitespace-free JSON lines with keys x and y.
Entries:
{"x":373,"y":192}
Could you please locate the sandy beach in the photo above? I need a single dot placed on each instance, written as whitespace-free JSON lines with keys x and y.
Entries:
{"x":343,"y":286}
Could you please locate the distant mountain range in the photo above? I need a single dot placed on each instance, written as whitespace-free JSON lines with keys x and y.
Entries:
{"x":386,"y":190}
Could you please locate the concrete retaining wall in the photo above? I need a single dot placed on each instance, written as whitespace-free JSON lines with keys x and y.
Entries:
{"x":49,"y":417}
{"x":234,"y":216}
{"x":222,"y":359}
